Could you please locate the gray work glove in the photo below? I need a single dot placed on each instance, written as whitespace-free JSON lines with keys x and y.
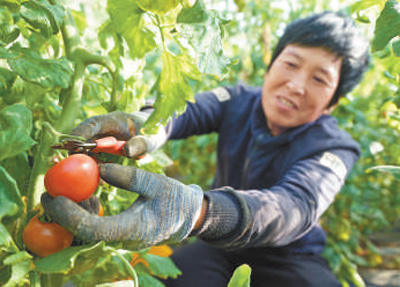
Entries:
{"x":165,"y":211}
{"x":125,"y":127}
{"x":92,"y":204}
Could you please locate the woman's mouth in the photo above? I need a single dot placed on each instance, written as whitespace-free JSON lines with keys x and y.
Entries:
{"x":286,"y":103}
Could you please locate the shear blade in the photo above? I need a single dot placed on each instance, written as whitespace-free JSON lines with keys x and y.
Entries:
{"x":71,"y":145}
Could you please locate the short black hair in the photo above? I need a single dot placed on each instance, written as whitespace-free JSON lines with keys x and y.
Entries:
{"x":337,"y":33}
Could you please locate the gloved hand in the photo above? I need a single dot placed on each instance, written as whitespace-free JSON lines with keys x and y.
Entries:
{"x":166,"y":210}
{"x":123,"y":126}
{"x":92,"y":204}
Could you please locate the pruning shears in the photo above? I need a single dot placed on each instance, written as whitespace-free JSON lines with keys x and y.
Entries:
{"x":107,"y":145}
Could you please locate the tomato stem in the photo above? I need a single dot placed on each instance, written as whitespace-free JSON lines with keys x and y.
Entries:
{"x":159,"y":25}
{"x":69,"y":111}
{"x":68,"y":114}
{"x":34,"y":279}
{"x":45,"y":218}
{"x":40,"y":165}
{"x":89,"y":58}
{"x":49,"y":135}
{"x":54,"y":279}
{"x":128,"y":266}
{"x":58,"y":135}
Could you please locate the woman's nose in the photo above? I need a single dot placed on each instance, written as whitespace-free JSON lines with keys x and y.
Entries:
{"x":297,"y":84}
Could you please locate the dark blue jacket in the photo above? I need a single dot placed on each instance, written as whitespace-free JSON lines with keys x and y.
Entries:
{"x":269,"y":191}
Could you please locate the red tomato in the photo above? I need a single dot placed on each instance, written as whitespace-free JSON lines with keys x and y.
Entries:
{"x":75,"y":177}
{"x":44,"y":238}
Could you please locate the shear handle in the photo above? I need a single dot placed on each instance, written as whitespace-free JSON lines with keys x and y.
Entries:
{"x":109,"y":145}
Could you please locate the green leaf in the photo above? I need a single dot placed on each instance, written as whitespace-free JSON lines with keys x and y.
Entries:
{"x":20,"y":266}
{"x":161,"y":266}
{"x":11,"y":204}
{"x":174,"y":88}
{"x":33,"y":94}
{"x":161,"y":158}
{"x":195,"y":14}
{"x":203,"y":29}
{"x":8,"y":34}
{"x":31,"y":67}
{"x":387,"y":25}
{"x":146,"y":280}
{"x":241,"y":277}
{"x":8,"y":31}
{"x":140,"y":42}
{"x":241,"y":4}
{"x":13,"y":5}
{"x":11,"y":207}
{"x":5,"y":16}
{"x":5,"y":54}
{"x":396,"y":48}
{"x":7,"y":79}
{"x":15,"y":128}
{"x":126,"y":19}
{"x":7,"y":244}
{"x":18,"y":168}
{"x":80,"y":20}
{"x":76,"y":259}
{"x":158,"y":6}
{"x":109,"y":268}
{"x":362,"y":5}
{"x":43,"y":16}
{"x":393,"y":170}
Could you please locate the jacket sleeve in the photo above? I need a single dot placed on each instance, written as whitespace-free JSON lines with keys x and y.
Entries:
{"x":281,"y":214}
{"x":201,"y":117}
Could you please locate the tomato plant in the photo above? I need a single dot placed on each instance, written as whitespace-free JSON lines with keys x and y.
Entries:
{"x":53,"y":75}
{"x":75,"y":177}
{"x":45,"y":238}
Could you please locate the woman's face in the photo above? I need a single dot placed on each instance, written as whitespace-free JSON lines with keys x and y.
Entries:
{"x":299,"y":86}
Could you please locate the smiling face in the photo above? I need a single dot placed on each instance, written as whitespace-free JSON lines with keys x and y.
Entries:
{"x":299,"y":86}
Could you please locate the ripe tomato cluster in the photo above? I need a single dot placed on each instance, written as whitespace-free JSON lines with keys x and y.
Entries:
{"x":75,"y":177}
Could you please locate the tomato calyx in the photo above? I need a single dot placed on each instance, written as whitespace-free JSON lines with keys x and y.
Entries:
{"x":44,"y":218}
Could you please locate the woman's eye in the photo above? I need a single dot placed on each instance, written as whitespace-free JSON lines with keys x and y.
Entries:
{"x":319,"y":80}
{"x":291,"y":64}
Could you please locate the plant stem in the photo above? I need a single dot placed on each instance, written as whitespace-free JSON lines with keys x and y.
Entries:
{"x":69,"y":32}
{"x":159,"y":24}
{"x":50,"y":280}
{"x":40,"y":165}
{"x":131,"y":271}
{"x":34,"y":279}
{"x":66,"y":121}
{"x":72,"y":102}
{"x":88,"y":58}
